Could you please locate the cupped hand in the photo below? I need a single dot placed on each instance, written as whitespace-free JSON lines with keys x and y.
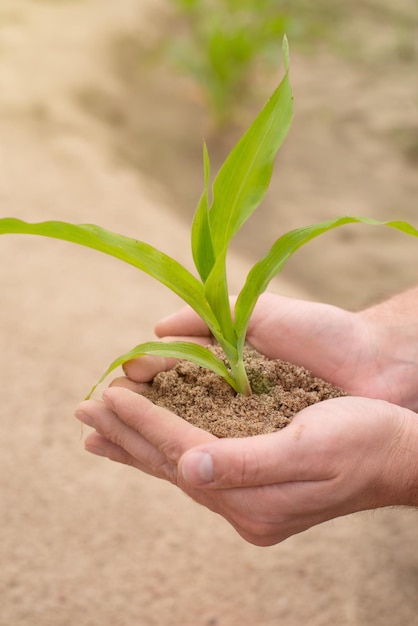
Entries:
{"x":344,"y":348}
{"x":336,"y":457}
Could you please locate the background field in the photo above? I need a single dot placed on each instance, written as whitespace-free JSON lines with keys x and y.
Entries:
{"x":97,"y":126}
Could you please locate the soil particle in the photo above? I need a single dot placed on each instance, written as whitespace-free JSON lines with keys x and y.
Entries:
{"x":199,"y":396}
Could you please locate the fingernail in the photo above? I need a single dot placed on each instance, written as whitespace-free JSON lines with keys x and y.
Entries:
{"x":197,"y":468}
{"x":96,"y":450}
{"x":83,"y":417}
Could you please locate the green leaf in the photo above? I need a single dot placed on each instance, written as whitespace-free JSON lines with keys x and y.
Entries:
{"x":216,"y":293}
{"x":143,"y":256}
{"x":245,"y":176}
{"x":178,"y":349}
{"x":202,"y":248}
{"x":238,"y":190}
{"x":264,"y":271}
{"x":286,"y":53}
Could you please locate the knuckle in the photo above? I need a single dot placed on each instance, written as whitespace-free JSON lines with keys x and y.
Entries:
{"x":249,"y":467}
{"x":165,"y":470}
{"x":115,"y":437}
{"x":171,"y":451}
{"x":238,"y":467}
{"x":110,"y":430}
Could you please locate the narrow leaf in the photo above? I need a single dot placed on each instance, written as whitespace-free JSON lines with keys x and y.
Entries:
{"x":239,"y":188}
{"x":143,"y":256}
{"x":216,"y":293}
{"x":285,"y":49}
{"x":244,"y":177}
{"x":202,"y":248}
{"x":264,"y":271}
{"x":178,"y":349}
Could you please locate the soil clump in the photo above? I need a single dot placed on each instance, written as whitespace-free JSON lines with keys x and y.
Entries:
{"x":280,"y":390}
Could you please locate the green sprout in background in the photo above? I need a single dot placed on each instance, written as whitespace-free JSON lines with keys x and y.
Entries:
{"x":219,"y":42}
{"x":237,"y":191}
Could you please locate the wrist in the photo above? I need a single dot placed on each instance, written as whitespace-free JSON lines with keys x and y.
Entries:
{"x":408,"y":450}
{"x":391,"y":331}
{"x":400,"y":473}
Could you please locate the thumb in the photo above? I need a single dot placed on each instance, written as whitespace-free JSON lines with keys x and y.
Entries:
{"x":251,"y":461}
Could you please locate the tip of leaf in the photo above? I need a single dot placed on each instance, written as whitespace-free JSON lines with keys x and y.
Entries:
{"x":285,"y":48}
{"x":206,"y":164}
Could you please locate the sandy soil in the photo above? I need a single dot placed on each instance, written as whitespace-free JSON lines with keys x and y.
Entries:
{"x":280,"y":391}
{"x":87,"y":542}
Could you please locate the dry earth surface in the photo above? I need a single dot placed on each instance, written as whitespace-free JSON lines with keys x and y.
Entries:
{"x":86,"y":542}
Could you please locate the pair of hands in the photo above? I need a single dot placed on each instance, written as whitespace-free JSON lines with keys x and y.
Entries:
{"x":335,"y":458}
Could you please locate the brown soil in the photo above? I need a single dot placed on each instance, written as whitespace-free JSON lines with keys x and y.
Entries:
{"x":280,"y":390}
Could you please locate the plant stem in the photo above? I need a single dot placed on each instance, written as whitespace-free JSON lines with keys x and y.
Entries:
{"x":236,"y":363}
{"x":240,"y":376}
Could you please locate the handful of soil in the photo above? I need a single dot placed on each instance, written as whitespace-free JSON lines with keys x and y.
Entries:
{"x":280,"y":390}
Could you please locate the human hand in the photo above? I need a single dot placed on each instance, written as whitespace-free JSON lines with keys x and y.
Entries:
{"x":347,"y":349}
{"x":335,"y":458}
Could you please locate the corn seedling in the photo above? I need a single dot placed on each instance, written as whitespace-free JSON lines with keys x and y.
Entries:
{"x":222,"y":210}
{"x":219,"y":43}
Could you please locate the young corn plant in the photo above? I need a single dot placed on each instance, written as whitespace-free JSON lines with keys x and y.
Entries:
{"x":222,"y":210}
{"x":219,"y":43}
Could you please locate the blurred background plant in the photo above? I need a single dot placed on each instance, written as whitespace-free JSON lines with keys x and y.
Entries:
{"x":219,"y":43}
{"x":222,"y":53}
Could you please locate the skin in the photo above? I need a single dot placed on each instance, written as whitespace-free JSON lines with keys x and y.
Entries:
{"x":335,"y":458}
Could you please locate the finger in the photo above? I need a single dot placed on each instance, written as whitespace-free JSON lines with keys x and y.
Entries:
{"x":124,"y":443}
{"x":144,"y":368}
{"x":152,"y":464}
{"x":305,"y":333}
{"x":127,"y":383}
{"x":300,"y":452}
{"x":164,"y":430}
{"x":100,"y":446}
{"x":183,"y":322}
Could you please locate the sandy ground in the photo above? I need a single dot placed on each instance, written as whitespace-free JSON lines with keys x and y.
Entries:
{"x":86,"y":542}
